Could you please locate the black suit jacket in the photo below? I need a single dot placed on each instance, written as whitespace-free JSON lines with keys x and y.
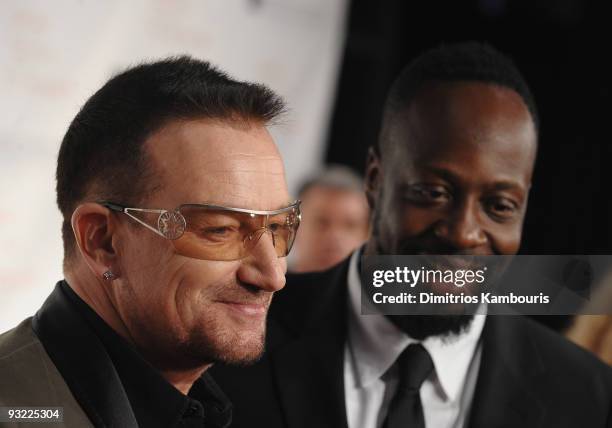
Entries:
{"x":529,"y":376}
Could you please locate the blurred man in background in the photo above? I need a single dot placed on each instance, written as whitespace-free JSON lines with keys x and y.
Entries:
{"x":335,"y":217}
{"x":451,"y":174}
{"x":176,"y":226}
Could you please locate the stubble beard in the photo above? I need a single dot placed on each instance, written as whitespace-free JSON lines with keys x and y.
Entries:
{"x":214,"y":338}
{"x":219,"y":343}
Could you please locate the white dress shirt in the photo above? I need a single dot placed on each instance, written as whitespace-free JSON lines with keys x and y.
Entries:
{"x":373,"y":345}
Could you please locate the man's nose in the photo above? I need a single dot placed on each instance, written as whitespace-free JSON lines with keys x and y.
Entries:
{"x":462,"y":228}
{"x":262,"y":268}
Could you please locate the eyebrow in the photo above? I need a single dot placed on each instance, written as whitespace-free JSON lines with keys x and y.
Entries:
{"x":453,"y":178}
{"x":507,"y":185}
{"x":224,"y":205}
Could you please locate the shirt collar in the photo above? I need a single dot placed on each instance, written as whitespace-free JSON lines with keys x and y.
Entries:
{"x":376,"y":343}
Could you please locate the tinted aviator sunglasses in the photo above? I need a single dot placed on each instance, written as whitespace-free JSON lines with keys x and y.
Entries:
{"x":213,"y":232}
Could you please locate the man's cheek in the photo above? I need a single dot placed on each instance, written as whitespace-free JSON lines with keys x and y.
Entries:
{"x":506,"y":239}
{"x":414,"y":221}
{"x":283,"y":264}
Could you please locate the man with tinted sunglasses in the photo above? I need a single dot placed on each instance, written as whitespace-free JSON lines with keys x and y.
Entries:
{"x":177,"y":221}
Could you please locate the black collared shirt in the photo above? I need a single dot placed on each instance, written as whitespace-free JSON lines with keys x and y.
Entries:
{"x":154,"y":401}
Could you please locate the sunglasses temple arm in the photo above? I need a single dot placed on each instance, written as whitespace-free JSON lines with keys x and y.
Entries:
{"x":126,"y":211}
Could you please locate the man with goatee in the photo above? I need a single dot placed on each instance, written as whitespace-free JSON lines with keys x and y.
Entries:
{"x":451,"y":174}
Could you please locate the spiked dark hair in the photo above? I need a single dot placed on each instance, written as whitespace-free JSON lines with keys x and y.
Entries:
{"x":102,"y":156}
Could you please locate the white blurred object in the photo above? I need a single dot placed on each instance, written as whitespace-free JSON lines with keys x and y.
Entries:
{"x":54,"y":55}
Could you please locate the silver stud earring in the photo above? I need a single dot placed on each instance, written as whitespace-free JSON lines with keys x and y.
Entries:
{"x":108,"y":275}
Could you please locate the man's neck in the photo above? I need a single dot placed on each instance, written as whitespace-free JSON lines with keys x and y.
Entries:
{"x":93,"y":294}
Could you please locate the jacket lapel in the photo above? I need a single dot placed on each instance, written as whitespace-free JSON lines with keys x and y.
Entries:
{"x":83,"y":362}
{"x":308,"y":370}
{"x":504,"y":394}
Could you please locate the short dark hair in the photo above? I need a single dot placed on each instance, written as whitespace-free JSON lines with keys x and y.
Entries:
{"x":102,"y":156}
{"x":466,"y":61}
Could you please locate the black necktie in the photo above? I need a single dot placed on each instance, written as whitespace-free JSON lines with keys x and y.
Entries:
{"x":405,"y":410}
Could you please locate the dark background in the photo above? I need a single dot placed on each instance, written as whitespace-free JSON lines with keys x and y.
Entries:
{"x":562,"y":48}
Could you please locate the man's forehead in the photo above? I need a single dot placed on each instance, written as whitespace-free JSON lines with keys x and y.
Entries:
{"x":220,"y":164}
{"x":210,"y":140}
{"x":471,"y":115}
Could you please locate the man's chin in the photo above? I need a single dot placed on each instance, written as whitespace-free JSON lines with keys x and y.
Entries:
{"x":225,"y":341}
{"x":237,"y":344}
{"x":243,"y":353}
{"x":241,"y":360}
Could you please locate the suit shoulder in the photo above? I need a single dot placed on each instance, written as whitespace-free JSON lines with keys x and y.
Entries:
{"x":565,"y":357}
{"x":305,"y":286}
{"x":306,"y":294}
{"x":28,"y":376}
{"x":18,"y":339}
{"x":21,"y":365}
{"x":305,"y":283}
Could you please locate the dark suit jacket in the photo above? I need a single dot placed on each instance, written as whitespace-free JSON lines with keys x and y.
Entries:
{"x":529,"y":376}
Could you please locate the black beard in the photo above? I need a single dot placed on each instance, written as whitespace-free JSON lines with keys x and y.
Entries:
{"x":420,"y":327}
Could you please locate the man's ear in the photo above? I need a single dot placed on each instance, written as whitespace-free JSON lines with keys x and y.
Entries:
{"x":373,"y":178}
{"x":93,"y":230}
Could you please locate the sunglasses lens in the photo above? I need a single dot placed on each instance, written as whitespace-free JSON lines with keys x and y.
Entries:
{"x":283,"y":228}
{"x":220,"y":234}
